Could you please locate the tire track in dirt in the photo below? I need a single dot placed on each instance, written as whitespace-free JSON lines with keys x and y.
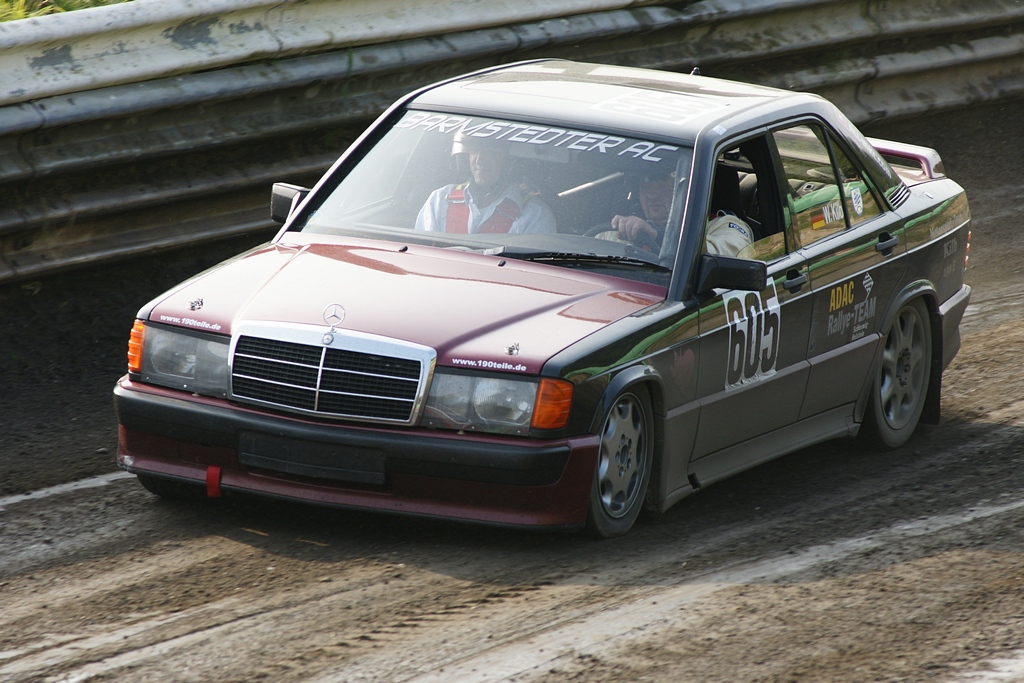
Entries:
{"x":397,"y":621}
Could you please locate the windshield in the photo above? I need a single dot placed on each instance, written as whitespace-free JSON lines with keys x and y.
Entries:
{"x":550,"y":193}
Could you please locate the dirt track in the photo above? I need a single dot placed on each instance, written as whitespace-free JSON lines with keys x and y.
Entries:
{"x":833,"y":564}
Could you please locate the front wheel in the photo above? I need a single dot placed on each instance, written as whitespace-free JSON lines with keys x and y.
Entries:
{"x":901,"y":381}
{"x":624,"y":464}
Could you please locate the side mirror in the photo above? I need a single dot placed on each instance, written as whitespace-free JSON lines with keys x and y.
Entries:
{"x":284,"y":198}
{"x":728,"y":272}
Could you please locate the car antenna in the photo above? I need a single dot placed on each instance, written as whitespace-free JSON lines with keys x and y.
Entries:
{"x":696,"y":71}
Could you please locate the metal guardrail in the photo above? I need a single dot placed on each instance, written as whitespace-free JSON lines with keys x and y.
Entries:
{"x":149,"y":39}
{"x":122,"y":169}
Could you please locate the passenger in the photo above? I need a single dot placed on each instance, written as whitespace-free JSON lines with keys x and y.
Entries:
{"x":727,"y":234}
{"x":491,"y":202}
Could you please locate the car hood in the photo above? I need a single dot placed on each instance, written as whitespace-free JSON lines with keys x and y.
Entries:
{"x":474,"y":310}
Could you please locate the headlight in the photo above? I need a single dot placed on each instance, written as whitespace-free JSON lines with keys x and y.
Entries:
{"x":496,"y":405}
{"x":500,"y":402}
{"x":191,"y":361}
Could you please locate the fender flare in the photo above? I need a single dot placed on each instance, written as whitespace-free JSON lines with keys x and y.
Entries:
{"x":637,"y":374}
{"x":925,"y":290}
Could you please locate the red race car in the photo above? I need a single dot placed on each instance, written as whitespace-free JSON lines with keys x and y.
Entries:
{"x":553,"y":294}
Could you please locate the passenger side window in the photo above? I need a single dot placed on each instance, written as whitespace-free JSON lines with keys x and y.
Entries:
{"x":813,"y":200}
{"x":817,"y":203}
{"x":860,"y":200}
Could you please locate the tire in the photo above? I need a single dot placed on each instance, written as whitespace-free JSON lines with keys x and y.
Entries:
{"x":624,"y":462}
{"x":169,"y":489}
{"x":901,"y":380}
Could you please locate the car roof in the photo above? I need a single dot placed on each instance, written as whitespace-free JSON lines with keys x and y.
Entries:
{"x":606,"y":97}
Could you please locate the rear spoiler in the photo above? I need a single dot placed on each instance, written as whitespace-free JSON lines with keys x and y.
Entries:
{"x":925,"y":160}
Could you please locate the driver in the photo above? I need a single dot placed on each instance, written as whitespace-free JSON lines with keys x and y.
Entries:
{"x":491,"y":202}
{"x":655,"y":191}
{"x":726,"y":234}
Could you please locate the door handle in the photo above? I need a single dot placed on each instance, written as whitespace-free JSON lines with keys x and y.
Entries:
{"x":794,"y":281}
{"x":886,"y":243}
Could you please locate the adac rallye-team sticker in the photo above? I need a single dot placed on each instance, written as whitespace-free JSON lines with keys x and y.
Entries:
{"x":848,"y":317}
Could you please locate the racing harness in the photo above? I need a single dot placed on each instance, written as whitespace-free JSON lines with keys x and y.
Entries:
{"x":500,"y":220}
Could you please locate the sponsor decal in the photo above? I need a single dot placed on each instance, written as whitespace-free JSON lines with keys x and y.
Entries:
{"x":754,"y":320}
{"x":849,"y":316}
{"x":858,"y":201}
{"x":191,"y":322}
{"x":840,"y":296}
{"x":950,"y":248}
{"x":947,"y":226}
{"x":829,"y":213}
{"x":536,"y":135}
{"x":489,"y":364}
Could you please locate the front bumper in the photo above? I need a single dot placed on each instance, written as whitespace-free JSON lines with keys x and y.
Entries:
{"x":498,"y":480}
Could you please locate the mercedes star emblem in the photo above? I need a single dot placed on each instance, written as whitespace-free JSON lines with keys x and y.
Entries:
{"x":334,"y":314}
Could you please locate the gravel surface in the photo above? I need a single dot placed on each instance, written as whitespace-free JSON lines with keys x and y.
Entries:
{"x":833,"y":564}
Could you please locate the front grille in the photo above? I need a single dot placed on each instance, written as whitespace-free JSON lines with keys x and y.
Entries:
{"x":326,"y":381}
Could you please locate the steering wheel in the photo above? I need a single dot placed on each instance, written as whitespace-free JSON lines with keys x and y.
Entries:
{"x":643,"y":241}
{"x":598,"y":228}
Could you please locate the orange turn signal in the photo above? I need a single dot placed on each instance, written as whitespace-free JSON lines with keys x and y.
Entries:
{"x":135,"y":346}
{"x":554,"y":399}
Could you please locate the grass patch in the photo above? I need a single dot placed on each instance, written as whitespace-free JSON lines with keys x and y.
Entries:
{"x":25,"y":9}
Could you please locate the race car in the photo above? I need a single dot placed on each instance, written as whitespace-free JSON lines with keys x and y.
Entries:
{"x":556,"y":294}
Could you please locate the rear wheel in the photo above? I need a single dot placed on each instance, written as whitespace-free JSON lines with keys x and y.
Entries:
{"x":901,"y":381}
{"x":623,"y":465}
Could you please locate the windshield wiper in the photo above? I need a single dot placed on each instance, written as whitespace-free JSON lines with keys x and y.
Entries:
{"x":528,"y":254}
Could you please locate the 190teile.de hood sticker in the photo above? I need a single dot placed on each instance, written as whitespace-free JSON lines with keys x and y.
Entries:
{"x":484,"y":364}
{"x":189,"y":322}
